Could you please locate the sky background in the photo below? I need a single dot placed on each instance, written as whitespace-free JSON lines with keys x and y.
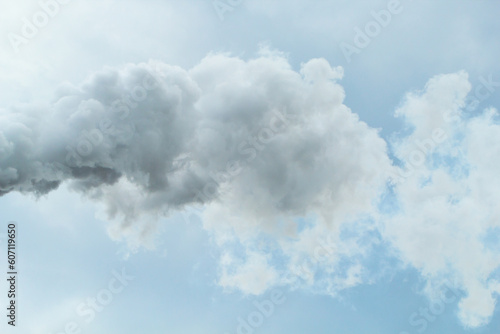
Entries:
{"x":195,"y":266}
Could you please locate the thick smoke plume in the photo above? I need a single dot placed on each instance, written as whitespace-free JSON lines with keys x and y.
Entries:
{"x":279,"y":139}
{"x":292,"y":185}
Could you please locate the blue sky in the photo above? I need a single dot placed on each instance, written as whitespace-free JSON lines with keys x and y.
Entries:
{"x":362,"y":191}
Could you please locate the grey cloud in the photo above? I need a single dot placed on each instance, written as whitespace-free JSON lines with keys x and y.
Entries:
{"x":173,"y":134}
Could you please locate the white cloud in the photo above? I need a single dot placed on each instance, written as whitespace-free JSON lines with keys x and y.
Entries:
{"x":448,"y":203}
{"x":254,"y":276}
